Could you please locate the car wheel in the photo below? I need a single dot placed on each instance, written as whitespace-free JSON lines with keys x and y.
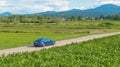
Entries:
{"x":36,"y":45}
{"x":53,"y":43}
{"x":43,"y":45}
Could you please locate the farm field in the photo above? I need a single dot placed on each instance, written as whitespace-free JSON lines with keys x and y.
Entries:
{"x":15,"y":35}
{"x":60,"y":33}
{"x":10,"y":40}
{"x":103,"y":52}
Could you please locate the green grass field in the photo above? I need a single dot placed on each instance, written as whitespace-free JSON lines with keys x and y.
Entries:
{"x":103,"y":52}
{"x":15,"y":35}
{"x":10,"y":40}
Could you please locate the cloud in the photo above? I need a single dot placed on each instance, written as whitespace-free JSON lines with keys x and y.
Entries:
{"x":38,"y":8}
{"x":60,"y":4}
{"x":3,"y":3}
{"x":82,"y":7}
{"x":32,"y":6}
{"x":117,"y":2}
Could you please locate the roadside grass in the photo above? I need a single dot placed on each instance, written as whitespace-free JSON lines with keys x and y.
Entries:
{"x":103,"y":52}
{"x":15,"y":35}
{"x":10,"y":40}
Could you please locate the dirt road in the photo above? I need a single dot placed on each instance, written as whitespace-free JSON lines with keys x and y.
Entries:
{"x":58,"y":43}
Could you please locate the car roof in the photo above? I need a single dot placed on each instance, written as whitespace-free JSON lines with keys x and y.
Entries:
{"x":42,"y":39}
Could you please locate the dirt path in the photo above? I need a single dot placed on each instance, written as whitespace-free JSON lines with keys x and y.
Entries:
{"x":58,"y":43}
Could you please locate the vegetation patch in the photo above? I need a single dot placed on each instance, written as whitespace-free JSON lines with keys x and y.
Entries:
{"x":103,"y":52}
{"x":22,"y":34}
{"x":10,"y":40}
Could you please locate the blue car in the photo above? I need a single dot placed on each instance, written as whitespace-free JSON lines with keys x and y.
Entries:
{"x":43,"y":42}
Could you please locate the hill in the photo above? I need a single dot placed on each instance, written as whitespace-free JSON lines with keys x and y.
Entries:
{"x":106,"y":9}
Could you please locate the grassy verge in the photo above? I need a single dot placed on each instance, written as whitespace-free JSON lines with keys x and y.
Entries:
{"x":10,"y":40}
{"x":103,"y":52}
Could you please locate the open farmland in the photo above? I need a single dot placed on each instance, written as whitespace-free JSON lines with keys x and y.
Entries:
{"x":10,"y":40}
{"x":15,"y":35}
{"x":60,"y":33}
{"x":94,"y":53}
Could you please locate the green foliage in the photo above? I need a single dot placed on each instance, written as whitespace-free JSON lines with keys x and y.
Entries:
{"x":55,"y":20}
{"x":10,"y":40}
{"x":108,"y":17}
{"x":52,"y":19}
{"x":103,"y":52}
{"x":26,"y":19}
{"x":116,"y":17}
{"x":15,"y":35}
{"x":73,"y":18}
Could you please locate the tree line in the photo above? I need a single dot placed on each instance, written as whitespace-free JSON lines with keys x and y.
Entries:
{"x":101,"y":17}
{"x":50,"y":19}
{"x":108,"y":17}
{"x":29,"y":19}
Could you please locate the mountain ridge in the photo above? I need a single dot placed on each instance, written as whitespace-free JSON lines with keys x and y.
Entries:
{"x":106,"y":9}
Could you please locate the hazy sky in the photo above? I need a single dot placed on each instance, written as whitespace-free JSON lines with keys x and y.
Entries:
{"x":33,"y":6}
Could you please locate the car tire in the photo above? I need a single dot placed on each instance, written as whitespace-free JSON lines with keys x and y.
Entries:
{"x":43,"y":45}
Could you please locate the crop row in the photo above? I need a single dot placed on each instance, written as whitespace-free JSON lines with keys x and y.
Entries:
{"x":103,"y":52}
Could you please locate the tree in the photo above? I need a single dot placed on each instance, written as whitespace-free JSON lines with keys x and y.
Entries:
{"x":102,"y":17}
{"x":72,"y":18}
{"x":79,"y":18}
{"x":116,"y":17}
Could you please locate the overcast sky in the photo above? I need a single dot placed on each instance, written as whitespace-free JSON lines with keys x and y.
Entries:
{"x":33,"y":6}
